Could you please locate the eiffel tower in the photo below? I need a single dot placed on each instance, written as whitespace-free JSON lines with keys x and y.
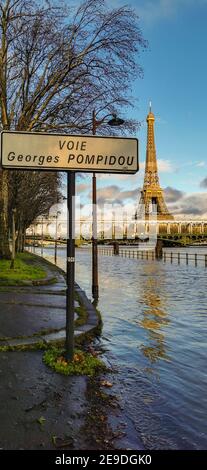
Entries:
{"x":152,"y":197}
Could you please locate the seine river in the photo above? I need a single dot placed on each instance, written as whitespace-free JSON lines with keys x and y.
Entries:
{"x":155,"y":335}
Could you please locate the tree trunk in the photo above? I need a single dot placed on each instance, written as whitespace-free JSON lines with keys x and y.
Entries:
{"x":18,"y":241}
{"x":21,"y":249}
{"x":23,"y":239}
{"x":4,"y":229}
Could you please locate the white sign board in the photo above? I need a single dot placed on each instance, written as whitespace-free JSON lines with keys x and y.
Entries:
{"x":36,"y":151}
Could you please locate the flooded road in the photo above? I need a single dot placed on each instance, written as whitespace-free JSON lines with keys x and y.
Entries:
{"x":155,"y":334}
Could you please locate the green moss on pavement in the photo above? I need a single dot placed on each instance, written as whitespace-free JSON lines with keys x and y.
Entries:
{"x":83,"y":363}
{"x":82,"y":316}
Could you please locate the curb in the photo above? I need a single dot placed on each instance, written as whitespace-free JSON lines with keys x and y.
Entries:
{"x":90,"y":328}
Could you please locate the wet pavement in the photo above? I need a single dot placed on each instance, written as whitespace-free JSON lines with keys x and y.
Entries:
{"x":28,"y":313}
{"x":41,"y":409}
{"x":24,"y":311}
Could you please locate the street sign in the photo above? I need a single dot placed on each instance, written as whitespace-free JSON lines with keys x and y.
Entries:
{"x":43,"y":151}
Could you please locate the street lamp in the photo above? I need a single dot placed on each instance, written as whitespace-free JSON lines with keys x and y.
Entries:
{"x":115,"y":121}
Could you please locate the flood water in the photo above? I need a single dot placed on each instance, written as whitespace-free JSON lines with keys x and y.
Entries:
{"x":155,"y":334}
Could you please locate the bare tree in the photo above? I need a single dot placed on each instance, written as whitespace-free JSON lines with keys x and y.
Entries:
{"x":36,"y":197}
{"x":54,"y":72}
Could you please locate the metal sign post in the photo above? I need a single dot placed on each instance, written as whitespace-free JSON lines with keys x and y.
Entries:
{"x":95,"y":288}
{"x":69,"y":344}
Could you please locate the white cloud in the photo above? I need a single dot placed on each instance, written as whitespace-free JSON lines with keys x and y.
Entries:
{"x":190,"y":206}
{"x":203,"y":183}
{"x":153,"y":11}
{"x":201,"y":164}
{"x":172,"y":194}
{"x":116,"y":195}
{"x":165,"y":166}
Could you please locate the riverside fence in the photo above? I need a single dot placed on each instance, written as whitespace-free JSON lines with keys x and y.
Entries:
{"x":167,"y":256}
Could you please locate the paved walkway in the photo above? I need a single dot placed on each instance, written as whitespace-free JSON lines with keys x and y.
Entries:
{"x":28,"y":312}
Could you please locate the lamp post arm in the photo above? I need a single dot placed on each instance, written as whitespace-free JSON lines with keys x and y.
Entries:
{"x":97,"y":122}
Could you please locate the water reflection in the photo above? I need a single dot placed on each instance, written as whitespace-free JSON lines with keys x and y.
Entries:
{"x":154,"y":314}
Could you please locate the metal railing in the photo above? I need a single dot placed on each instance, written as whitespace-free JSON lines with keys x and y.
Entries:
{"x":172,"y":257}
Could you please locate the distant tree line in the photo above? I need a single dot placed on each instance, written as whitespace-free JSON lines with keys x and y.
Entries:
{"x":58,"y":64}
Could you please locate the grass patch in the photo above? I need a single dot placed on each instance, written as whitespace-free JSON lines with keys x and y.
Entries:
{"x":83,"y":363}
{"x":25,"y":269}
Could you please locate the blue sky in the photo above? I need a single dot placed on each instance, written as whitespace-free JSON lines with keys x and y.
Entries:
{"x":175,"y":76}
{"x":175,"y":80}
